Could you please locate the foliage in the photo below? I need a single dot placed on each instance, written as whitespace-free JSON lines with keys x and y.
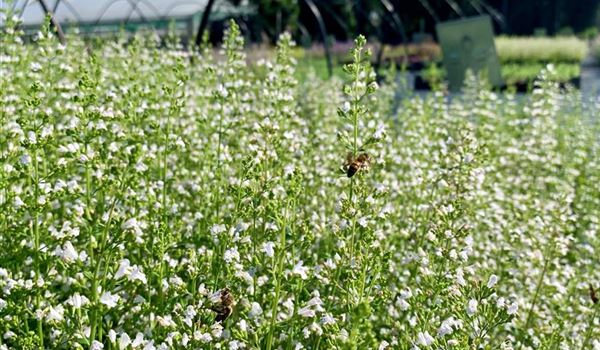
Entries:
{"x":513,"y":73}
{"x":517,"y":73}
{"x":138,"y":188}
{"x":541,"y":49}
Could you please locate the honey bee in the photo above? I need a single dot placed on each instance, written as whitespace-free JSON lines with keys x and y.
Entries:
{"x":223,"y":304}
{"x":593,"y":295}
{"x":353,"y":165}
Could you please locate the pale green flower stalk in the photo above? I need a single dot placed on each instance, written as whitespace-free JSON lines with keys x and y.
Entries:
{"x":283,"y":109}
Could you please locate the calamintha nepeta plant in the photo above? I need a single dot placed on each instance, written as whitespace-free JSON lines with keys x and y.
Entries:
{"x":138,"y":185}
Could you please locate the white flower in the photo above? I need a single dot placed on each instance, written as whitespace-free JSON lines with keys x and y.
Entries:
{"x":133,"y":225}
{"x":269,"y":249}
{"x":255,"y":310}
{"x":9,"y":335}
{"x":424,"y":339}
{"x":406,"y":294}
{"x":124,"y":269}
{"x":132,"y":273}
{"x":327,"y":319}
{"x":124,"y":341}
{"x":289,"y":169}
{"x":472,"y":307}
{"x":216,"y":330}
{"x":112,"y":335}
{"x":231,"y":255}
{"x":500,"y":302}
{"x":217,"y":229}
{"x":96,"y":345}
{"x":137,"y":274}
{"x":512,"y":308}
{"x":18,"y":202}
{"x":383,"y":345}
{"x":56,"y":314}
{"x":363,"y":221}
{"x":380,"y":132}
{"x":306,"y":312}
{"x":77,"y":301}
{"x":35,"y":67}
{"x":446,"y":327}
{"x":139,"y":340}
{"x":203,"y":337}
{"x":67,"y":252}
{"x":109,"y":299}
{"x":316,"y":302}
{"x":300,"y":270}
{"x":215,"y":297}
{"x":492,"y":281}
{"x":346,"y":107}
{"x":235,"y":345}
{"x":25,"y":159}
{"x":166,"y":321}
{"x":403,"y":304}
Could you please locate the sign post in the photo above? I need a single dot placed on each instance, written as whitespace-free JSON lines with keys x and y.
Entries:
{"x":469,"y":44}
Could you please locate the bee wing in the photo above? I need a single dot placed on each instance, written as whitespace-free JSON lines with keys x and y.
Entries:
{"x":217,"y":308}
{"x":349,"y":158}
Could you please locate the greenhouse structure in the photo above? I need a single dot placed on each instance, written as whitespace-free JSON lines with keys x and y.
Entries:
{"x":109,"y":16}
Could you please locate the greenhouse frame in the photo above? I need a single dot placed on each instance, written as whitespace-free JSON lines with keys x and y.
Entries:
{"x":109,"y":16}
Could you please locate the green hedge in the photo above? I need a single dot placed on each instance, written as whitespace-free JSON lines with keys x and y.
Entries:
{"x":541,"y":49}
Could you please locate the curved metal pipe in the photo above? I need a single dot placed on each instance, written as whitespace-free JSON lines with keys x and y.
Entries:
{"x":454,"y":6}
{"x":396,"y":19}
{"x":134,"y":8}
{"x":430,"y":10}
{"x":71,"y":9}
{"x":325,"y":5}
{"x":315,"y":10}
{"x":106,"y":7}
{"x":493,"y":12}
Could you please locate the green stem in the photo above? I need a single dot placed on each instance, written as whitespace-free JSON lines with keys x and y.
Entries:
{"x":36,"y":235}
{"x":165,"y":220}
{"x":355,"y":106}
{"x":537,"y":292}
{"x":103,"y":240}
{"x":588,"y":334}
{"x":277,"y":274}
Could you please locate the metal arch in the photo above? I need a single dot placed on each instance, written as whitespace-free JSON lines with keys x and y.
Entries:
{"x":106,"y":7}
{"x":70,"y":8}
{"x":396,"y":19}
{"x":334,"y":15}
{"x":430,"y":10}
{"x":14,"y":6}
{"x":304,"y":32}
{"x":455,"y":8}
{"x":315,"y":10}
{"x":25,"y":4}
{"x":151,"y":7}
{"x":493,"y":12}
{"x":476,"y":6}
{"x":179,"y":3}
{"x":134,"y":8}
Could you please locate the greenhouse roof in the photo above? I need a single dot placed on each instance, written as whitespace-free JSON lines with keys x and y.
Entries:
{"x":101,"y":12}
